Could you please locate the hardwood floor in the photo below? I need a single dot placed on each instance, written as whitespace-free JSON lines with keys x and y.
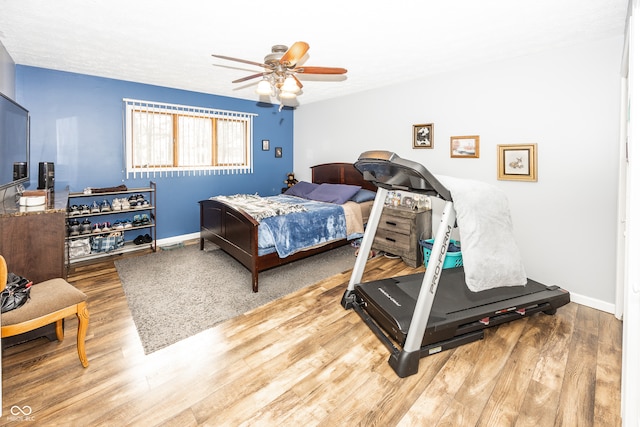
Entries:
{"x":304,"y":360}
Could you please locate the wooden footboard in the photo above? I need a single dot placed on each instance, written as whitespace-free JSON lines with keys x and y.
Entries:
{"x":233,"y":231}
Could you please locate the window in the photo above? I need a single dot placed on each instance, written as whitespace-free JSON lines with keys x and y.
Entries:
{"x":166,"y":138}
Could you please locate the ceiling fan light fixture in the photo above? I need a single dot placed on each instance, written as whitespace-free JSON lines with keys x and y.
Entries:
{"x":287,"y":95}
{"x":264,"y":88}
{"x":290,"y":85}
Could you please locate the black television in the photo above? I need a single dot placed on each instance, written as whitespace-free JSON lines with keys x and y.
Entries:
{"x":14,"y":143}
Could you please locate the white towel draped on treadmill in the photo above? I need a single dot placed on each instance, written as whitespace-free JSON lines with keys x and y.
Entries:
{"x":490,"y":255}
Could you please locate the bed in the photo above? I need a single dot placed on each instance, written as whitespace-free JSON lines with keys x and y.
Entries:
{"x":236,"y":232}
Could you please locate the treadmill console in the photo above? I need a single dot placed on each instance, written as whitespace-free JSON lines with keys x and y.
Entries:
{"x":387,"y":170}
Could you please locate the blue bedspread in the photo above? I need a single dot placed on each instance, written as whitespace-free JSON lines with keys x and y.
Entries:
{"x":323,"y":222}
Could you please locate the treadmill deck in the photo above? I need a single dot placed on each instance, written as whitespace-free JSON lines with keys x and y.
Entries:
{"x":456,"y":310}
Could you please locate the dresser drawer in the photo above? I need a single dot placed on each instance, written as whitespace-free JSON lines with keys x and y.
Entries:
{"x":393,"y":243}
{"x":395,"y":224}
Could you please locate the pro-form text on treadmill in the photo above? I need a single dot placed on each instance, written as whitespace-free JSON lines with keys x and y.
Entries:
{"x":441,"y":255}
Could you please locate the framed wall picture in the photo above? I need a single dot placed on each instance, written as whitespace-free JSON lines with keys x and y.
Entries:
{"x":518,"y":162}
{"x":265,"y":145}
{"x":465,"y":146}
{"x":423,"y":136}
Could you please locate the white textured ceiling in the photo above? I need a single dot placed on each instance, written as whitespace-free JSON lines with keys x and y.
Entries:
{"x":169,"y":43}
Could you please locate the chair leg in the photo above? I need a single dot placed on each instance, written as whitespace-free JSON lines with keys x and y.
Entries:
{"x":60,"y":329}
{"x":83,"y":324}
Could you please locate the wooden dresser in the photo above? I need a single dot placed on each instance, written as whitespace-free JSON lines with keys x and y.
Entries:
{"x":400,"y":230}
{"x":32,"y":239}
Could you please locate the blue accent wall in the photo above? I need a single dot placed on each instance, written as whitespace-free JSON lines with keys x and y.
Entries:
{"x":77,"y":123}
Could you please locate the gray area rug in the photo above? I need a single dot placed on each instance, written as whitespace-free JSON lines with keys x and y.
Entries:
{"x":177,"y":293}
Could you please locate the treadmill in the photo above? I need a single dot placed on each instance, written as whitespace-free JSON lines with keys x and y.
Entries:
{"x":421,"y":314}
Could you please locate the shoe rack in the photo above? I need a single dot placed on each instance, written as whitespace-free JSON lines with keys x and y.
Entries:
{"x":104,"y":224}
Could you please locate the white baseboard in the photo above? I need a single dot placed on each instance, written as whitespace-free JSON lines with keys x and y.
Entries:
{"x":177,"y":239}
{"x":593,"y":303}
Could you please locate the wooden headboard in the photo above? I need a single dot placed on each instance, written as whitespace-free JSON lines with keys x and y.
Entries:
{"x":339,"y":173}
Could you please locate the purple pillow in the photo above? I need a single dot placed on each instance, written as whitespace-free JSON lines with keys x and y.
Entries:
{"x":334,"y":193}
{"x":301,"y":189}
{"x":363,"y":195}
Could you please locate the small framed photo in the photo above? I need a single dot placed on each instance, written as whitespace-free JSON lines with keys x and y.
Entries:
{"x":518,"y":162}
{"x":278,"y":151}
{"x":408,"y":202}
{"x":265,"y":145}
{"x":465,"y":146}
{"x":423,"y":136}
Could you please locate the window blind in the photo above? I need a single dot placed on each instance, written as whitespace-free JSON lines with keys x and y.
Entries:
{"x":169,"y":139}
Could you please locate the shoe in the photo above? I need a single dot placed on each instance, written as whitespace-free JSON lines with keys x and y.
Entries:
{"x":127,"y":223}
{"x":74,"y":228}
{"x":147,"y":238}
{"x":106,"y":226}
{"x":105,"y":206}
{"x":372,"y":254}
{"x":137,"y":220}
{"x":138,"y":202}
{"x":95,"y":208}
{"x":118,"y":225}
{"x":74,"y":210}
{"x":124,"y":203}
{"x":85,"y":227}
{"x":144,"y":219}
{"x":116,"y":205}
{"x":84,"y":210}
{"x":139,"y":240}
{"x":96,"y":228}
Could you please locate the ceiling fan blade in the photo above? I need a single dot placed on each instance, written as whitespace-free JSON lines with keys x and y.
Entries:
{"x":244,"y":79}
{"x":320,"y":70}
{"x":298,"y":82}
{"x":294,"y":54}
{"x":244,"y":61}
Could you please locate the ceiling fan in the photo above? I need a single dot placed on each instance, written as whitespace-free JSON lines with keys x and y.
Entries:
{"x":280,"y":68}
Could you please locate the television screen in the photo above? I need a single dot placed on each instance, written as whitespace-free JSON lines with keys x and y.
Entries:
{"x":14,"y":143}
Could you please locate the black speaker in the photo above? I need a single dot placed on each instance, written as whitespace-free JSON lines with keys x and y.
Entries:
{"x":46,"y":175}
{"x":19,"y":170}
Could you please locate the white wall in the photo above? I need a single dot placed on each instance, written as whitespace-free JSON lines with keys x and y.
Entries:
{"x":7,"y":73}
{"x":565,"y":100}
